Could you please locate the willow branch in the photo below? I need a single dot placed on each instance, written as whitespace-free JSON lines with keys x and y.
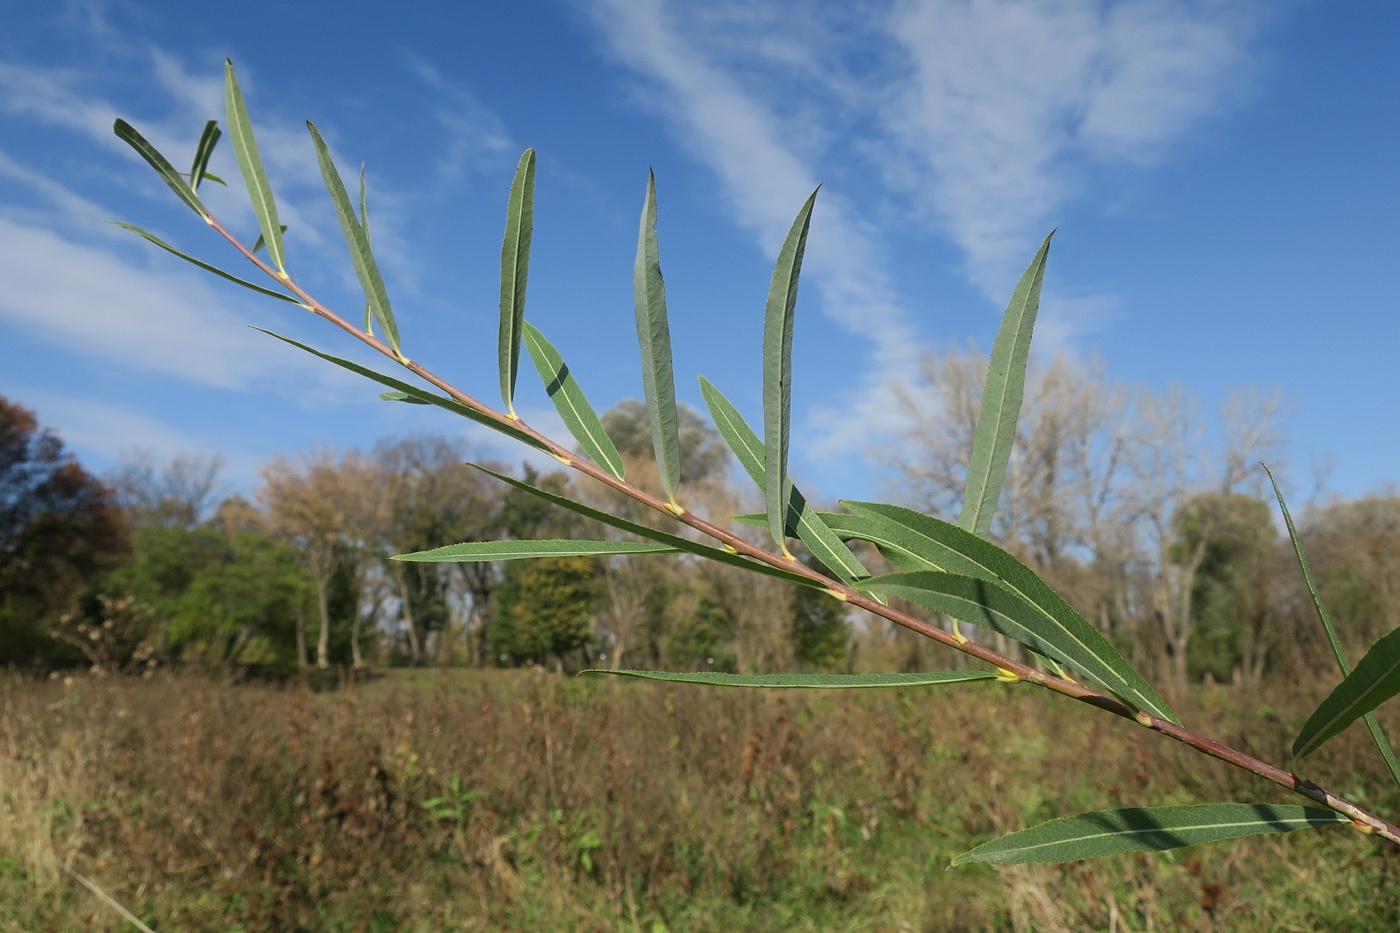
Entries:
{"x":1361,"y":819}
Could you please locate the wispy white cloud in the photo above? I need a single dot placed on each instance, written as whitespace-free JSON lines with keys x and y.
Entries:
{"x":107,"y":429}
{"x":980,"y":116}
{"x":85,"y":299}
{"x":1010,"y":102}
{"x":766,"y":180}
{"x":476,"y":138}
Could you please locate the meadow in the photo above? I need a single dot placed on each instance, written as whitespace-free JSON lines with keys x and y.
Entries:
{"x":520,"y":800}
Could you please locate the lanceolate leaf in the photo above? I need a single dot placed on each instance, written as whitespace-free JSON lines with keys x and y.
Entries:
{"x":364,"y":222}
{"x":1001,"y":400}
{"x":1377,"y":736}
{"x":570,"y":402}
{"x":414,"y":392}
{"x":473,"y":551}
{"x":201,"y":263}
{"x":1375,"y":680}
{"x":654,"y":337}
{"x":660,"y":537}
{"x":777,"y":370}
{"x":357,"y":238}
{"x":207,"y":140}
{"x":802,"y":518}
{"x":810,"y":681}
{"x":245,"y":148}
{"x":127,"y":133}
{"x":1018,"y":597}
{"x":1145,"y":829}
{"x":515,"y":270}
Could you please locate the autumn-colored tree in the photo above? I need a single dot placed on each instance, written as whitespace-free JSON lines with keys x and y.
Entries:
{"x":329,"y":510}
{"x":59,"y":529}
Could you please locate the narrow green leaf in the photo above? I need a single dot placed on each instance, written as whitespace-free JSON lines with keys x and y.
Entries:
{"x":245,"y":148}
{"x":127,"y":133}
{"x":475,"y":551}
{"x":414,"y":392}
{"x":199,"y":262}
{"x":809,"y":681}
{"x":570,"y":402}
{"x":207,"y":140}
{"x":210,"y":176}
{"x":402,"y":397}
{"x":681,"y":544}
{"x":654,"y":336}
{"x":1375,"y":680}
{"x":1374,"y":727}
{"x":1145,"y":829}
{"x":1055,"y":628}
{"x":777,"y":370}
{"x":515,"y":270}
{"x":259,"y":245}
{"x":364,"y":222}
{"x":802,"y":517}
{"x":1001,"y":400}
{"x":357,"y":238}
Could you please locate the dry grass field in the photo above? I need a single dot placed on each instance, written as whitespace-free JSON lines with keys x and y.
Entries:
{"x":521,"y":801}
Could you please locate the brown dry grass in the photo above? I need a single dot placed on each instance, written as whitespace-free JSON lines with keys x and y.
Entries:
{"x":638,"y":807}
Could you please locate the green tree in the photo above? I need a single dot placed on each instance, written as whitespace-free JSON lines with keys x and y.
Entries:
{"x":543,"y":608}
{"x":245,"y":605}
{"x":821,"y":637}
{"x":1235,"y":601}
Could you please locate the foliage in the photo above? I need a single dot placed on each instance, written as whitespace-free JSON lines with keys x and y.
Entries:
{"x":948,"y":569}
{"x":59,"y":529}
{"x":821,"y":635}
{"x":544,"y":608}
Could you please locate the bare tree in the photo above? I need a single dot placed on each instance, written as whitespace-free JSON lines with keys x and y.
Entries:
{"x":1169,"y":465}
{"x":178,"y":494}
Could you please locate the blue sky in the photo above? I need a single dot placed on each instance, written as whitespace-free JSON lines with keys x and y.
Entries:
{"x":1222,"y":174}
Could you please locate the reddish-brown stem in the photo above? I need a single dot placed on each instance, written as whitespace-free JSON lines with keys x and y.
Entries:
{"x":1362,"y":819}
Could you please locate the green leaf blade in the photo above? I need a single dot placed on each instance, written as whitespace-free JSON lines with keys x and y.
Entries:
{"x":357,"y":239}
{"x":208,"y":139}
{"x":777,"y":370}
{"x":1145,"y":829}
{"x":245,"y":149}
{"x":1001,"y":400}
{"x":1372,"y":726}
{"x":568,"y":398}
{"x":1054,"y":628}
{"x":413,"y":392}
{"x":127,"y":134}
{"x":660,"y":537}
{"x":515,"y":272}
{"x":654,"y":338}
{"x":151,"y":237}
{"x":802,"y":517}
{"x":476,"y":551}
{"x":1375,"y":680}
{"x":808,"y":681}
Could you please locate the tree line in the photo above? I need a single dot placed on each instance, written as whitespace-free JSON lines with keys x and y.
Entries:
{"x":1168,"y":545}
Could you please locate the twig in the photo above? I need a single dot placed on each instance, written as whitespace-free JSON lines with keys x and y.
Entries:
{"x":110,"y":901}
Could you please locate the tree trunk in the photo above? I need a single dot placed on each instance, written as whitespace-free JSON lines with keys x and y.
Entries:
{"x":301,"y":636}
{"x":356,"y":659}
{"x":323,"y":606}
{"x":415,"y":647}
